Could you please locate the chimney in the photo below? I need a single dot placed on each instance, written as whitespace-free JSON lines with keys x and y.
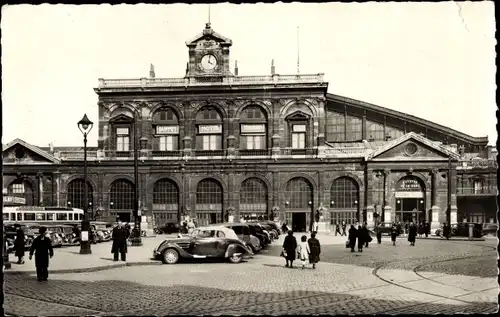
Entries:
{"x":236,"y":68}
{"x":51,"y":147}
{"x":187,"y":68}
{"x":272,"y":67}
{"x":152,"y":71}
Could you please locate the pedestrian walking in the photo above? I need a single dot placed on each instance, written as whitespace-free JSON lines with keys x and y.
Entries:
{"x":284,"y":228}
{"x":120,"y":236}
{"x":353,"y":234}
{"x":344,"y":226}
{"x":406,"y":228}
{"x":361,"y":238}
{"x":289,"y":246}
{"x":19,"y":246}
{"x":314,"y":249}
{"x":379,"y":233}
{"x":427,"y":229}
{"x":303,"y":251}
{"x":394,"y":233}
{"x":337,"y":228}
{"x":42,"y":248}
{"x":366,"y":233}
{"x":446,"y":231}
{"x":412,"y":233}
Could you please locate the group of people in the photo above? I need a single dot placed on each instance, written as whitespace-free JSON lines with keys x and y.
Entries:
{"x":339,"y":226}
{"x":411,"y":231}
{"x":306,"y":250}
{"x":361,"y":235}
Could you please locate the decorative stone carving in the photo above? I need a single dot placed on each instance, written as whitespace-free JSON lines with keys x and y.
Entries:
{"x":267,"y":103}
{"x":239,"y":102}
{"x":387,"y":172}
{"x":283,"y":102}
{"x":435,"y":171}
{"x":194,"y":104}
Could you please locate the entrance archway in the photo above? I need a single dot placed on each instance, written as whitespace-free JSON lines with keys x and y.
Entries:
{"x":410,"y":200}
{"x":299,"y":204}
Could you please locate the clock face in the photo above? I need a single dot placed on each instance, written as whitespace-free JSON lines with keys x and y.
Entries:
{"x":208,"y":62}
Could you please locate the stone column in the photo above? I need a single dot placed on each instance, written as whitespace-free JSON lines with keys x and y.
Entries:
{"x":453,"y":196}
{"x":435,"y":207}
{"x":39,"y":177}
{"x":56,"y":185}
{"x":369,"y":208}
{"x":387,"y":194}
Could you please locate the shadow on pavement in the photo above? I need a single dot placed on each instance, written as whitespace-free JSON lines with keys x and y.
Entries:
{"x":129,"y":298}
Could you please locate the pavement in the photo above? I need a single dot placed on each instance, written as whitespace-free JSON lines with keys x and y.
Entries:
{"x":431,"y":277}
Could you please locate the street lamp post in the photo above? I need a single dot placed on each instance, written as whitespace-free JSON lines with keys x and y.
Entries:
{"x":85,"y":125}
{"x":136,"y":240}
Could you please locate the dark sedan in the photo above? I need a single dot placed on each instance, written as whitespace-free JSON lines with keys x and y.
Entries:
{"x":490,"y":229}
{"x":168,"y":228}
{"x":204,"y":242}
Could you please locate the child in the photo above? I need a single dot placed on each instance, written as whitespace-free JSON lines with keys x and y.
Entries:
{"x":304,"y":250}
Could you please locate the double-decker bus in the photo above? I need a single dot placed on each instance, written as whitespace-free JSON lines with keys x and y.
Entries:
{"x":42,"y":215}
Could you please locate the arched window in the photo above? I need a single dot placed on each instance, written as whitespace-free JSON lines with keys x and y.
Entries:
{"x":299,"y":193}
{"x":253,"y":197}
{"x":166,"y":131}
{"x":122,"y":195}
{"x":344,"y":201}
{"x":209,"y":202}
{"x":375,"y":131}
{"x":76,"y":194}
{"x":209,"y":130}
{"x":253,"y":129}
{"x":22,"y":188}
{"x":410,"y":199}
{"x":165,"y":202}
{"x":298,"y":132}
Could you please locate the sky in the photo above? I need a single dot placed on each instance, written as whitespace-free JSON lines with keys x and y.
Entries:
{"x":432,"y":60}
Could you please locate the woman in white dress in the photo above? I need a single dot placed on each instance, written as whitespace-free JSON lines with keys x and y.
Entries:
{"x":304,"y":251}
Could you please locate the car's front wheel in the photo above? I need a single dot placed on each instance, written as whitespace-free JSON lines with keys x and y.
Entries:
{"x":170,"y":256}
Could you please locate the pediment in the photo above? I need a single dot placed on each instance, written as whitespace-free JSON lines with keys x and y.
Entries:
{"x":298,"y":115}
{"x":121,"y":118}
{"x":208,"y":35}
{"x":20,"y":152}
{"x":412,"y":147}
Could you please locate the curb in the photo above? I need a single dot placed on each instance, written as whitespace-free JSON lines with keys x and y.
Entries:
{"x":451,"y":239}
{"x":88,"y":269}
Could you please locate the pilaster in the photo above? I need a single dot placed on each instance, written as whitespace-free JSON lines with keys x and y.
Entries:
{"x":387,"y":194}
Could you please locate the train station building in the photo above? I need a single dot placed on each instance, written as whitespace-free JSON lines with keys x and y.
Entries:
{"x":217,"y":146}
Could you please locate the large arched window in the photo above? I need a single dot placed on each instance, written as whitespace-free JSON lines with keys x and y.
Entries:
{"x":165,"y":202}
{"x":344,"y":201}
{"x":253,"y":130}
{"x":22,"y":188}
{"x":253,"y":198}
{"x":122,"y":195}
{"x":76,"y":194}
{"x":209,"y":130}
{"x":410,"y":199}
{"x":209,"y":199}
{"x":166,"y":131}
{"x":375,"y":131}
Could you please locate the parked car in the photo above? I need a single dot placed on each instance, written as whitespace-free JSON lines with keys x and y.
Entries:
{"x":102,"y":230}
{"x":386,"y":228}
{"x":68,"y":236}
{"x":273,"y":224}
{"x":256,"y":231}
{"x":461,"y":229}
{"x":30,"y":232}
{"x":203,"y":242}
{"x":490,"y":228}
{"x":56,"y":235}
{"x":167,"y":228}
{"x":272,"y":232}
{"x":243,"y":232}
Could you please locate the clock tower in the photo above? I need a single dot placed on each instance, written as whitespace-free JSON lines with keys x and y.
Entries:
{"x":208,"y":56}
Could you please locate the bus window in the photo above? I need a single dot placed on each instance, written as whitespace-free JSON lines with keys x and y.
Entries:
{"x":40,"y":216}
{"x":19,"y":217}
{"x":62,"y":216}
{"x":50,"y":216}
{"x":13,"y":216}
{"x":6,"y":217}
{"x":30,"y":216}
{"x":81,"y":216}
{"x":70,"y":216}
{"x":76,"y":216}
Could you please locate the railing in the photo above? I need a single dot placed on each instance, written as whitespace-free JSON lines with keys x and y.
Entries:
{"x":76,"y":155}
{"x":486,"y":190}
{"x":346,"y":151}
{"x":228,"y":80}
{"x":255,"y":152}
{"x":477,"y":163}
{"x":292,"y":151}
{"x":209,"y":153}
{"x":167,"y":153}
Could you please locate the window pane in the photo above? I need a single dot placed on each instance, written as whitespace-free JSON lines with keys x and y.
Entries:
{"x":375,"y":131}
{"x":335,"y":126}
{"x":295,"y":140}
{"x":206,"y":142}
{"x":169,"y":143}
{"x":119,"y":143}
{"x":302,"y":140}
{"x":354,"y":128}
{"x":257,"y":142}
{"x":249,"y":142}
{"x":126,"y":143}
{"x":162,"y":143}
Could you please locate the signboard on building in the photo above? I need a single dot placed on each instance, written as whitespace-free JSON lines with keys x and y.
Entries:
{"x":167,"y":129}
{"x":409,"y":185}
{"x":209,"y":128}
{"x":253,"y":128}
{"x":404,"y":194}
{"x":14,"y":200}
{"x":299,"y":128}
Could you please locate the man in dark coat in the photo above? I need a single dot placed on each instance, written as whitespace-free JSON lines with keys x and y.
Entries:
{"x":42,"y":247}
{"x":353,"y":234}
{"x":366,"y":233}
{"x":315,"y":249}
{"x":19,"y":246}
{"x":379,"y":233}
{"x":394,"y":233}
{"x":446,"y":231}
{"x":289,"y":246}
{"x":412,"y":233}
{"x":427,"y":229}
{"x":337,"y":228}
{"x":120,"y":236}
{"x":361,"y":238}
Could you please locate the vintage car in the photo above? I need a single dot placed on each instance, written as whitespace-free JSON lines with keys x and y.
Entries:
{"x":204,"y":242}
{"x":68,"y":235}
{"x":56,"y":235}
{"x":30,"y":231}
{"x":490,"y":228}
{"x":167,"y":228}
{"x":272,"y":232}
{"x":257,"y":231}
{"x":102,"y":230}
{"x":243,"y":232}
{"x":461,"y":229}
